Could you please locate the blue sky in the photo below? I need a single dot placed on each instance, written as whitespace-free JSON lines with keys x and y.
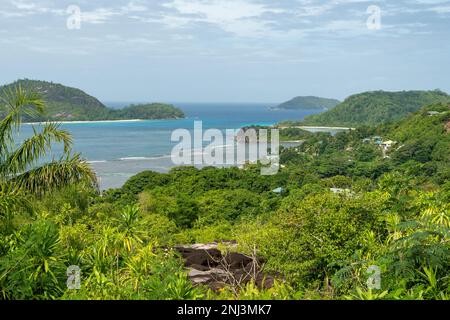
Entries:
{"x":227,"y":50}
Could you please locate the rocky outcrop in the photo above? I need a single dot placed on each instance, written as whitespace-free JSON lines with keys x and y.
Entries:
{"x":208,"y":266}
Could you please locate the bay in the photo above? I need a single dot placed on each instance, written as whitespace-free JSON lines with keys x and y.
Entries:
{"x":117,"y":150}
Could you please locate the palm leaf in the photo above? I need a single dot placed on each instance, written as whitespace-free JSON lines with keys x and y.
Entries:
{"x":17,"y":102}
{"x":55,"y":175}
{"x":34,"y":148}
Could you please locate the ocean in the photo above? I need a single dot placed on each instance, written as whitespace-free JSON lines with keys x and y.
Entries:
{"x":118,"y":150}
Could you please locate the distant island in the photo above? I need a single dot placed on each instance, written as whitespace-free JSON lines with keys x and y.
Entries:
{"x":308,"y":103}
{"x":374,"y":108}
{"x":71,"y":104}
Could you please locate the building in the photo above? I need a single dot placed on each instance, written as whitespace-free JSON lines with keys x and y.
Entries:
{"x":377,"y":140}
{"x":279,"y":190}
{"x":347,"y":192}
{"x":388,"y":144}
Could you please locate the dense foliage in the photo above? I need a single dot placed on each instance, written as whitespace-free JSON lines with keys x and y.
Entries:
{"x":309,"y":103}
{"x":147,"y":112}
{"x":377,"y":107}
{"x":347,"y":206}
{"x":71,"y":104}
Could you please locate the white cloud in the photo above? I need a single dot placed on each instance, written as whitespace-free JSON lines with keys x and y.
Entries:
{"x":219,"y":11}
{"x":98,"y":16}
{"x":102,"y":15}
{"x":270,"y":26}
{"x":440,"y":9}
{"x":240,"y":17}
{"x":431,"y":1}
{"x":134,"y":6}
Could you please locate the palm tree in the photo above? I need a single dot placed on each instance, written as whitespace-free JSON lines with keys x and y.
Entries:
{"x":22,"y":167}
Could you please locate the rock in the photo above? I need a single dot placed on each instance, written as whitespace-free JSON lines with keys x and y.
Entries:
{"x":264,"y":281}
{"x":207,"y":277}
{"x":208,"y":246}
{"x":200,"y":257}
{"x":207,"y":266}
{"x":237,"y":260}
{"x":199,"y":267}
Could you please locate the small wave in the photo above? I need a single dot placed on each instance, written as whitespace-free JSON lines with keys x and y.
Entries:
{"x":97,"y":161}
{"x":194,"y":152}
{"x":134,"y":158}
{"x":202,"y":150}
{"x":224,"y":146}
{"x":143,"y":158}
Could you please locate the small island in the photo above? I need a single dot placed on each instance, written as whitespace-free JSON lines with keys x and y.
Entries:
{"x":70,"y":104}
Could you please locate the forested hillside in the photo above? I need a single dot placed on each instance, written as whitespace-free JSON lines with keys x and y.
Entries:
{"x":70,"y":104}
{"x":309,"y":103}
{"x":377,"y":107}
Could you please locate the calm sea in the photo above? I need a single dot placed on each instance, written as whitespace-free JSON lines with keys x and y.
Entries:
{"x":119,"y":150}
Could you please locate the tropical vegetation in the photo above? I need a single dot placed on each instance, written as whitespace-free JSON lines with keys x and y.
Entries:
{"x":70,"y":104}
{"x":350,"y":207}
{"x":308,"y":103}
{"x":376,"y":107}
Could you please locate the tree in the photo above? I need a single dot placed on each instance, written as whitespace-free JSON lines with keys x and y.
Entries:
{"x":22,"y":167}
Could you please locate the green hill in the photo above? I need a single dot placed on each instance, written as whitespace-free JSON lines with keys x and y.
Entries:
{"x":308,"y":103}
{"x":377,"y":107}
{"x":70,"y":104}
{"x":424,"y":137}
{"x":418,"y":146}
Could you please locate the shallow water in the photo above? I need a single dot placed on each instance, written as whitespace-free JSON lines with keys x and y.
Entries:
{"x":119,"y":150}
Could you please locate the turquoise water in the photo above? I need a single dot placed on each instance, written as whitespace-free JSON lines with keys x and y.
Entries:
{"x":119,"y":150}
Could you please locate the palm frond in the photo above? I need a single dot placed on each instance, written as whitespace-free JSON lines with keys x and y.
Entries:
{"x":55,"y":175}
{"x":17,"y":102}
{"x":34,"y":148}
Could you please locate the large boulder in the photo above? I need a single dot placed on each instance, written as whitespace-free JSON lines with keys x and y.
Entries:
{"x":238,"y":261}
{"x":208,"y":266}
{"x":208,"y":258}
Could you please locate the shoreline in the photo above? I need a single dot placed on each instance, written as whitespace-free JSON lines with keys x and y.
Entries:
{"x":317,"y":128}
{"x":84,"y":121}
{"x":326,"y":128}
{"x":100,"y":121}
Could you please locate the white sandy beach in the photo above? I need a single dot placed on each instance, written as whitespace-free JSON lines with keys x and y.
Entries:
{"x":81,"y":122}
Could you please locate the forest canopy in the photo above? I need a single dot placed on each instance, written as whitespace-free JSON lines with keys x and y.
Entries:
{"x":376,"y":107}
{"x":70,"y":104}
{"x":308,"y":103}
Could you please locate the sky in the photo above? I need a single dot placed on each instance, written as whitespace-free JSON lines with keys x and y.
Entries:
{"x":227,"y":50}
